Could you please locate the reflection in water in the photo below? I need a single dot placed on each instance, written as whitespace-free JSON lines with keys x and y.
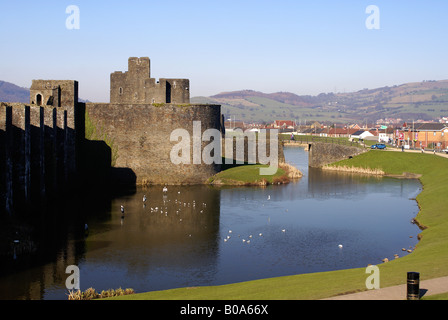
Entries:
{"x":194,"y":236}
{"x":157,"y":241}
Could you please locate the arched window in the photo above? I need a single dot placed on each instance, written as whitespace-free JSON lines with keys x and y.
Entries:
{"x":39,"y":99}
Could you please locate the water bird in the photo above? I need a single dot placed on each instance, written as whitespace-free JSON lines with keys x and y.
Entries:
{"x":165,"y":189}
{"x":283,"y":230}
{"x":269,"y":197}
{"x":144,"y":198}
{"x":260,"y":234}
{"x":340,"y":246}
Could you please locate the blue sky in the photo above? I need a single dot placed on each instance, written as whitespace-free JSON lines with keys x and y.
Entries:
{"x":305,"y":47}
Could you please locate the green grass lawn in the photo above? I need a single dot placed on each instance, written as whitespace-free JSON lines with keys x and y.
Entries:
{"x":247,"y":174}
{"x":442,"y":296}
{"x":430,"y":257}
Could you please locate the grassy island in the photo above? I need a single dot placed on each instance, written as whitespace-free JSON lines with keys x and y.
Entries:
{"x":249,"y":175}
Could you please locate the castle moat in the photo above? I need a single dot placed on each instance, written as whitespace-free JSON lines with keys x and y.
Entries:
{"x":200,"y":235}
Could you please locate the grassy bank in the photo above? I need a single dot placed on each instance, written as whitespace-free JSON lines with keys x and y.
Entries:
{"x":249,"y":175}
{"x":430,"y":257}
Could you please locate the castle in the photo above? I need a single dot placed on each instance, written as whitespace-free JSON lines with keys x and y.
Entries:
{"x":43,"y":142}
{"x":55,"y":140}
{"x":137,"y":87}
{"x":139,"y":120}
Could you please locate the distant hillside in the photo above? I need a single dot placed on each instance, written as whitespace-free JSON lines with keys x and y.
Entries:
{"x":425,"y":100}
{"x":284,"y":97}
{"x":11,"y":93}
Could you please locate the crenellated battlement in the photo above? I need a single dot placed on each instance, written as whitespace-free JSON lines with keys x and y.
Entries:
{"x":137,"y":86}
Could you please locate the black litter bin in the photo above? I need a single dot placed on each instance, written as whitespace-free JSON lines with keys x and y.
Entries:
{"x":413,"y":286}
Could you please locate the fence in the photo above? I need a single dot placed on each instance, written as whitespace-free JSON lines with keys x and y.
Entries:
{"x":311,"y":139}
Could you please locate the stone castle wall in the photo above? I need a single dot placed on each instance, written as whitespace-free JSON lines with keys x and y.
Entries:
{"x":38,"y":152}
{"x":140,"y":135}
{"x":321,"y":154}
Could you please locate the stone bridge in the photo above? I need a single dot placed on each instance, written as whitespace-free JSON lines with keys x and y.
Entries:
{"x":325,"y":151}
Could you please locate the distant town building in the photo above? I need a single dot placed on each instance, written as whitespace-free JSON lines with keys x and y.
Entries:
{"x":284,"y":124}
{"x":426,"y":135}
{"x":361,"y":134}
{"x":234,"y":124}
{"x":341,"y":132}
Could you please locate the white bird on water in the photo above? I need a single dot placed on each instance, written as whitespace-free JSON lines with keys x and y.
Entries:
{"x":269,"y":197}
{"x":165,"y":189}
{"x":340,"y":246}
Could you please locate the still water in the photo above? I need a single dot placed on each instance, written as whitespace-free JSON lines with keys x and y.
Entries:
{"x":200,"y":235}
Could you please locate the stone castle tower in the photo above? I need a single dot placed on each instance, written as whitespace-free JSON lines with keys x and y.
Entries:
{"x":56,"y":93}
{"x":137,"y":87}
{"x":142,"y":114}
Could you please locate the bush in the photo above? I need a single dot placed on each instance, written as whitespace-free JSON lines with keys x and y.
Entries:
{"x":91,"y":294}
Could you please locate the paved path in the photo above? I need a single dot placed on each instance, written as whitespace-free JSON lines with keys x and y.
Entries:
{"x":441,"y":154}
{"x":427,"y":288}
